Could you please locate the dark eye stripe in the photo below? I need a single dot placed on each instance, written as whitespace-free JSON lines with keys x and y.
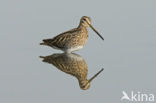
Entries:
{"x":84,"y":19}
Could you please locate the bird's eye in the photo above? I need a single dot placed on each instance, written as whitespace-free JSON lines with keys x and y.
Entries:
{"x":83,"y":86}
{"x":84,"y":19}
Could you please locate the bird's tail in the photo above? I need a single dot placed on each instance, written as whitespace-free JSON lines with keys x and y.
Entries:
{"x":42,"y":43}
{"x":46,"y":41}
{"x":41,"y":56}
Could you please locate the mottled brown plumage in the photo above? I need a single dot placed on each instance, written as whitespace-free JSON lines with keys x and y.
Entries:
{"x":72,"y":40}
{"x":72,"y":64}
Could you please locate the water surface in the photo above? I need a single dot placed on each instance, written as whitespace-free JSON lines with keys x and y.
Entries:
{"x":128,"y":52}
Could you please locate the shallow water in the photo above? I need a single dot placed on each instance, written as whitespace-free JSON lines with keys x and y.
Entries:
{"x":127,"y":54}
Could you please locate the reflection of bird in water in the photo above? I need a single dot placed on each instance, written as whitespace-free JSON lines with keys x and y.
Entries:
{"x":73,"y":39}
{"x":72,"y":64}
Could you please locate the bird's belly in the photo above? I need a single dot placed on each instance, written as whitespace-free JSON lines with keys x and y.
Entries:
{"x":69,"y":50}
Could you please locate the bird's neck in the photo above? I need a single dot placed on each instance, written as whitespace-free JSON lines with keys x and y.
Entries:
{"x":83,"y":28}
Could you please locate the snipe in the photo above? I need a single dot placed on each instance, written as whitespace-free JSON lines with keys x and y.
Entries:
{"x":73,"y":39}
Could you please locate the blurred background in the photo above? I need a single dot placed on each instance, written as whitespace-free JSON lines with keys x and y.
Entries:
{"x":128,"y":52}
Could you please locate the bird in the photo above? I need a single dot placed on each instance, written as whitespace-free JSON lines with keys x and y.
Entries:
{"x":72,"y":64}
{"x":74,"y":39}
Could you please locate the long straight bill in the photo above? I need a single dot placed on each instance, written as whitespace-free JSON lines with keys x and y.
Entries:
{"x":96,"y":31}
{"x":96,"y":75}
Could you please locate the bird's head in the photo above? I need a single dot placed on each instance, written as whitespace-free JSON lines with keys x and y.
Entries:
{"x":86,"y":22}
{"x":85,"y":84}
